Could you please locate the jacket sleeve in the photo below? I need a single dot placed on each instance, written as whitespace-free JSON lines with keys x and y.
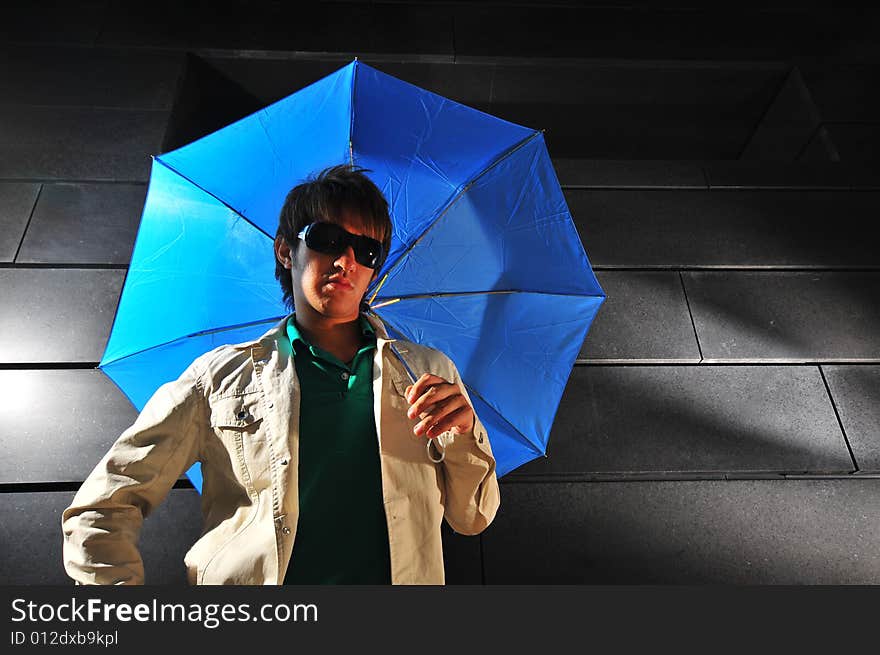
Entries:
{"x":102,"y":526}
{"x":471,"y":495}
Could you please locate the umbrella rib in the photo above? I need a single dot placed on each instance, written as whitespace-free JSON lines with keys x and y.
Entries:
{"x":523,"y":438}
{"x":464,"y":294}
{"x":193,"y":335}
{"x":201,"y":188}
{"x":351,"y":122}
{"x":452,"y":202}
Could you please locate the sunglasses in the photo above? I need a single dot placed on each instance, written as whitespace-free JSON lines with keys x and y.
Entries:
{"x":331,"y":239}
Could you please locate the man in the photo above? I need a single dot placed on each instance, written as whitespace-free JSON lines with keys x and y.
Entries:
{"x":312,"y":439}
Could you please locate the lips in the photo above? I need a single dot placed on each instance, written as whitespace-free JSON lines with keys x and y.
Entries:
{"x":340,"y":282}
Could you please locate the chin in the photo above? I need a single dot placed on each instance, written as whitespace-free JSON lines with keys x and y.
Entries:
{"x":338,"y":310}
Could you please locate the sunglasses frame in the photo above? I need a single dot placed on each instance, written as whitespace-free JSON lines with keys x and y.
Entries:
{"x":358,"y":242}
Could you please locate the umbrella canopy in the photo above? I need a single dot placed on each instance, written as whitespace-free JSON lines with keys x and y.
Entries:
{"x":485,"y":262}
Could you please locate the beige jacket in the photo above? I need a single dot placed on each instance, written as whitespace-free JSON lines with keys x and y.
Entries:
{"x":236,"y":410}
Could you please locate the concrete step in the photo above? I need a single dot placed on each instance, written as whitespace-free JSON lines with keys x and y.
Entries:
{"x":856,"y":393}
{"x":16,"y":204}
{"x":644,"y":319}
{"x":692,"y":228}
{"x":31,"y":537}
{"x":785,"y":316}
{"x":96,"y":77}
{"x":56,"y":315}
{"x":620,"y":420}
{"x":78,"y":143}
{"x":57,"y":424}
{"x":105,"y":216}
{"x":723,"y":532}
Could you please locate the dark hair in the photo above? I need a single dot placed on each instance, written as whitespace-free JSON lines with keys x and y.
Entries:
{"x":326,"y":196}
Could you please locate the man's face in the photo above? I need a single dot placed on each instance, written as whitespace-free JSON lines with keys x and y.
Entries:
{"x":331,"y":286}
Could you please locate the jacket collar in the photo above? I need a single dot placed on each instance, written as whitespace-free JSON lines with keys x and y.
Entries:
{"x":277,"y":335}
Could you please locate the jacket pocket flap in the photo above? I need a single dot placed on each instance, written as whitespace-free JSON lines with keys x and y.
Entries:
{"x":236,"y":411}
{"x":399,"y":381}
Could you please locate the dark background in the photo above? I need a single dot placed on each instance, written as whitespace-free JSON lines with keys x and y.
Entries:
{"x":723,"y":422}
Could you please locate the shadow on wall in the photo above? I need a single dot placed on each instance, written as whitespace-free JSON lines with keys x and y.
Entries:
{"x":694,"y":419}
{"x":206,"y":101}
{"x":755,"y":532}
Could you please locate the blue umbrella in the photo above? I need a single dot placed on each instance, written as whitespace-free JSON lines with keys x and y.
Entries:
{"x":485,"y":262}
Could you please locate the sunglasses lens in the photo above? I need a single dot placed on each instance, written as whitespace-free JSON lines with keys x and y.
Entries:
{"x":367,"y":251}
{"x":326,"y":238}
{"x":331,"y":239}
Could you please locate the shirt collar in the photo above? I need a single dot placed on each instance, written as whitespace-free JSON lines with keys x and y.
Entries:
{"x":294,"y":334}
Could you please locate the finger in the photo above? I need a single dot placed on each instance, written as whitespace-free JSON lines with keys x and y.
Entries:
{"x":436,"y":413}
{"x":441,"y":409}
{"x":434,"y":394}
{"x":419,"y":386}
{"x":439,"y":413}
{"x":456,"y":421}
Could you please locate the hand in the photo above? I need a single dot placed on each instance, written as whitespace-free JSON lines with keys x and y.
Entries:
{"x":440,"y":405}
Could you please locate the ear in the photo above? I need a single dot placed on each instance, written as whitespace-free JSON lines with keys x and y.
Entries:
{"x":282,"y":252}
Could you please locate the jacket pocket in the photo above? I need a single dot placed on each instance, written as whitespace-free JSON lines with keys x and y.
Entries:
{"x":398,"y":401}
{"x":399,"y":383}
{"x":238,"y":423}
{"x":242,"y":412}
{"x":231,"y":565}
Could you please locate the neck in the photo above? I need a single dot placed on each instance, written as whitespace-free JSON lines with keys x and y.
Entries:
{"x":340,"y":337}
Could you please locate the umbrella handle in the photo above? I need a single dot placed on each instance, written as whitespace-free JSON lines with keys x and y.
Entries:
{"x":438,"y":447}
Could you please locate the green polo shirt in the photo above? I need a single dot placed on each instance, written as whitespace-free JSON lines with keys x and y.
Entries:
{"x":341,"y":534}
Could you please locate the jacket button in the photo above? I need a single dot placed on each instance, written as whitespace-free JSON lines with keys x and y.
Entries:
{"x":284,"y":462}
{"x":285,"y":530}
